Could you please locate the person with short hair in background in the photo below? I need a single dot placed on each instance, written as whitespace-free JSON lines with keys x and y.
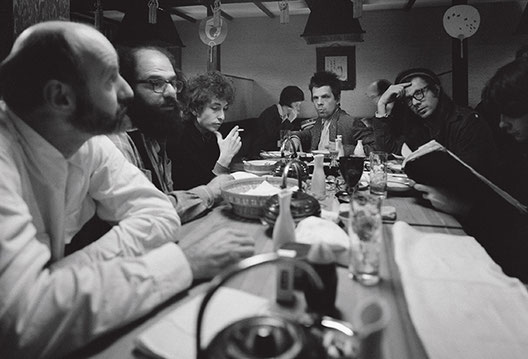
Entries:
{"x":374,"y":91}
{"x":278,"y":119}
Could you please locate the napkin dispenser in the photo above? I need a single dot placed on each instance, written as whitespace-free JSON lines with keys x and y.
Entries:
{"x":273,"y":336}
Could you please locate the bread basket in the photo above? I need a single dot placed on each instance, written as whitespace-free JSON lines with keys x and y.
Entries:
{"x":250,"y":205}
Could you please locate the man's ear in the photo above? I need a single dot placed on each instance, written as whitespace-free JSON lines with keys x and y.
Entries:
{"x":436,"y":90}
{"x":59,"y":96}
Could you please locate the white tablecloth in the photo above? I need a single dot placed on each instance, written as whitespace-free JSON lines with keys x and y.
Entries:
{"x":459,"y":300}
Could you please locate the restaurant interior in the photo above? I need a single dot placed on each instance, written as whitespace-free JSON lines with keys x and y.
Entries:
{"x":264,"y":46}
{"x":264,"y":55}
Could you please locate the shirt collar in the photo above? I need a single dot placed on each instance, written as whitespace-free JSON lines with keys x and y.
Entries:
{"x":282,"y":115}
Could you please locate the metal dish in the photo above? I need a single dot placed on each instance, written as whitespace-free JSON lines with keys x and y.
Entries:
{"x":250,"y":205}
{"x":259,"y":167}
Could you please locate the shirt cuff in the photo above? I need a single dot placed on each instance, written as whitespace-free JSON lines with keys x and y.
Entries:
{"x":205,"y":194}
{"x":219,"y":169}
{"x":377,"y":115}
{"x":170,"y":269}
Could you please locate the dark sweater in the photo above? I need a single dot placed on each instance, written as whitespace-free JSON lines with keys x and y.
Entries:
{"x":193,"y":157}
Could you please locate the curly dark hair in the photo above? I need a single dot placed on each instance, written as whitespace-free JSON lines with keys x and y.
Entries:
{"x":326,"y":78}
{"x":507,"y":90}
{"x":202,"y":89}
{"x":128,"y":61}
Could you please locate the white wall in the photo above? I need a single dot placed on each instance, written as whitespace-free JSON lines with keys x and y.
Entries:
{"x":275,"y":55}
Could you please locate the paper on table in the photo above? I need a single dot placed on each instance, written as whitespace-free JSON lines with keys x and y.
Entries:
{"x":331,"y":239}
{"x":460,"y":302}
{"x":242,"y":174}
{"x":174,"y":336}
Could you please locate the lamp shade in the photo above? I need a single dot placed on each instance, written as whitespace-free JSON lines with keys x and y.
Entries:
{"x":136,"y":29}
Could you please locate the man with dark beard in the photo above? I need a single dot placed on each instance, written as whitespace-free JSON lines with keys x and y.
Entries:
{"x":155,"y":115}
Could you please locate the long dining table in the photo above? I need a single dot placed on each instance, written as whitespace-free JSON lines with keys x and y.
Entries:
{"x":399,"y":340}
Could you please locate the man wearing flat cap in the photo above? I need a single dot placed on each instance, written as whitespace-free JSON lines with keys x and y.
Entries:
{"x":430,"y":114}
{"x":278,"y":119}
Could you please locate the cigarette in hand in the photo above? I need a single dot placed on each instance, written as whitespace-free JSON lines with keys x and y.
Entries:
{"x":240,"y":130}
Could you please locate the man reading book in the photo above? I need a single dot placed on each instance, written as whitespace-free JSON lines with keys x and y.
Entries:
{"x":427,"y":113}
{"x":499,"y":227}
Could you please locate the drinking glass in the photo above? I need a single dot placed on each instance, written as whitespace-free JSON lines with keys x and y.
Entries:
{"x":351,"y":168}
{"x":365,"y":233}
{"x":378,"y":173}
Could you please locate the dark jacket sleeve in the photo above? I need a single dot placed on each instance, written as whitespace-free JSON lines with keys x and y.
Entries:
{"x":503,"y":232}
{"x":474,"y":144}
{"x":366,"y":134}
{"x":388,"y":135}
{"x":267,"y":130}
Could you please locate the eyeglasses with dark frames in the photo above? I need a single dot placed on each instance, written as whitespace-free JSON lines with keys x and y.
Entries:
{"x":160,"y":85}
{"x":418,"y":95}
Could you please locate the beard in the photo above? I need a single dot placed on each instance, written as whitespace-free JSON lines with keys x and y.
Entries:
{"x":153,"y":121}
{"x":90,"y":118}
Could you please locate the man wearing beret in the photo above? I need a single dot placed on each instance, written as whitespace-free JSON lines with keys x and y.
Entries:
{"x":428,"y":113}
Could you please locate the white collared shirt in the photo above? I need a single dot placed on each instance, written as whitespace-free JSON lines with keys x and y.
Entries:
{"x":51,"y":304}
{"x":324,"y":142}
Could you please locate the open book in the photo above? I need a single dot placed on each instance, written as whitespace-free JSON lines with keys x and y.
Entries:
{"x":434,"y":165}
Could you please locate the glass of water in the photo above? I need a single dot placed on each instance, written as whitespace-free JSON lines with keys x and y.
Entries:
{"x":365,"y":232}
{"x":378,"y":173}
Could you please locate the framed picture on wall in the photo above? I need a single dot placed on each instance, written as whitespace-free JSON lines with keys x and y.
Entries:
{"x":340,"y":60}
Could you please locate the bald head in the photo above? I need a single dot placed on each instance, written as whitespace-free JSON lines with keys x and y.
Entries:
{"x":53,"y":50}
{"x":376,"y":89}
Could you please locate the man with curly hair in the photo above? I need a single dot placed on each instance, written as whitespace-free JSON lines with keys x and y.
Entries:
{"x":200,"y":153}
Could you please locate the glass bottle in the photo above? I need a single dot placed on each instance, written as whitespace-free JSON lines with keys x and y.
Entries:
{"x":318,"y":186}
{"x":359,"y":151}
{"x":339,"y":146}
{"x":284,"y":228}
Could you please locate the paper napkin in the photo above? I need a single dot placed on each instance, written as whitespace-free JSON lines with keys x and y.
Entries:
{"x":174,"y":336}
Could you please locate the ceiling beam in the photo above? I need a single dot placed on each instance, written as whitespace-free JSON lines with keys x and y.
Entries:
{"x":409,"y":5}
{"x":226,"y":16}
{"x":264,"y":9}
{"x":176,"y":12}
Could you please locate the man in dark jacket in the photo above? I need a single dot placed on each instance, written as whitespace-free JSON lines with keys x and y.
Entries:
{"x":428,"y":113}
{"x":331,"y":121}
{"x":500,"y":227}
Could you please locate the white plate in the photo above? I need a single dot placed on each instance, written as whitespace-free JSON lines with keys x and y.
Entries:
{"x":261,"y":162}
{"x":272,"y":154}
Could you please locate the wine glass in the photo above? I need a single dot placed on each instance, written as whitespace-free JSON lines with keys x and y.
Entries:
{"x":351,"y":168}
